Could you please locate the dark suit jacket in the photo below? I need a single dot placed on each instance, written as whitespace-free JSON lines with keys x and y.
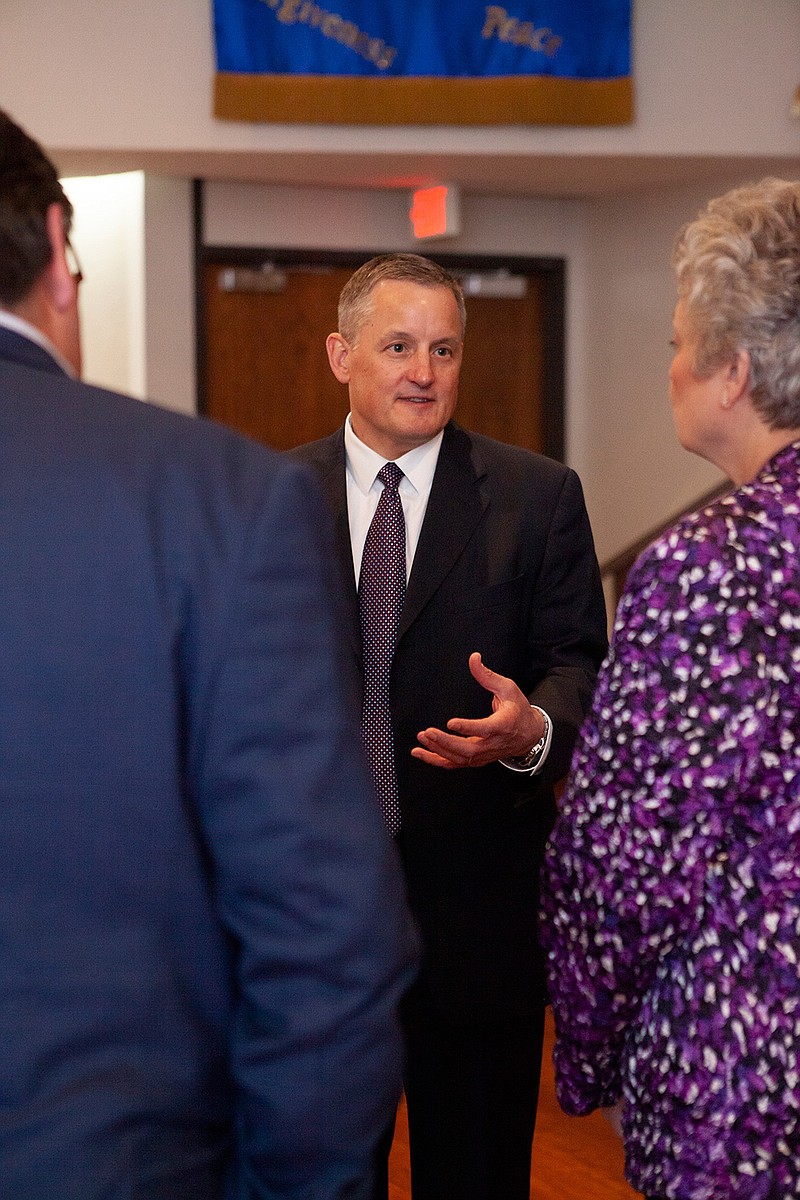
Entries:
{"x":505,"y":565}
{"x":202,"y":931}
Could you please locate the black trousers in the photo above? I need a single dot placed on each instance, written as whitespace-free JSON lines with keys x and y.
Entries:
{"x":471,"y":1092}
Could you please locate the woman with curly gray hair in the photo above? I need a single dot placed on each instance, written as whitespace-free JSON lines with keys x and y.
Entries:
{"x":738,"y":275}
{"x":671,"y":898}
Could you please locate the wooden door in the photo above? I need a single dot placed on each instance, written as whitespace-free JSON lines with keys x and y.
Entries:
{"x":501,"y":384}
{"x":266,"y":370}
{"x":266,"y":367}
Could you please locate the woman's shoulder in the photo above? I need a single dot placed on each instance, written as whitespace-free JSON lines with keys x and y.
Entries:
{"x":733,"y":534}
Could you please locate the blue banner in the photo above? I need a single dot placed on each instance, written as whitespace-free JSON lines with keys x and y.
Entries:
{"x":575,"y":41}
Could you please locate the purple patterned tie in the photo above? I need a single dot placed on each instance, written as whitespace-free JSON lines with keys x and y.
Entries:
{"x":381,"y":592}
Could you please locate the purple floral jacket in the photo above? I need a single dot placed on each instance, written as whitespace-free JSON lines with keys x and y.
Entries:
{"x":671,"y":887}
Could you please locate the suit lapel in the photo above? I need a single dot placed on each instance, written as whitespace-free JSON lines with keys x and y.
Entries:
{"x":457,"y":503}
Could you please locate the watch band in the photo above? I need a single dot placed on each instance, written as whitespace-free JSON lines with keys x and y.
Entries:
{"x":528,"y":761}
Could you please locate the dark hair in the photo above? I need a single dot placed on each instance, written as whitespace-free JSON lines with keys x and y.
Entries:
{"x":354,"y":301}
{"x":29,"y":184}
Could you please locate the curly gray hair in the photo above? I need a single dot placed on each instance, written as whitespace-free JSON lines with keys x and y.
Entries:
{"x":738,"y":273}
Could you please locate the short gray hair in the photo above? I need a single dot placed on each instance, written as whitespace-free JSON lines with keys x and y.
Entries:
{"x":737,"y":267}
{"x":354,"y":301}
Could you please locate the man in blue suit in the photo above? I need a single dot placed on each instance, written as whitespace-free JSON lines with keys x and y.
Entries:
{"x":203,"y":936}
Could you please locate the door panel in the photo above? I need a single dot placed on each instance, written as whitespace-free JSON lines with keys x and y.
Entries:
{"x":267,"y":371}
{"x":267,"y":374}
{"x":500,"y":392}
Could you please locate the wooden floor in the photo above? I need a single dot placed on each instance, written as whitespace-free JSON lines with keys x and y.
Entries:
{"x":574,"y":1158}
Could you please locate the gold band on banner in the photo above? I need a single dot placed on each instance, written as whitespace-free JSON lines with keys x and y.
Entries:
{"x":422,"y":100}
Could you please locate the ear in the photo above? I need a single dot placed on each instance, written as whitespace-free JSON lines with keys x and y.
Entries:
{"x":57,"y":277}
{"x":338,"y":356}
{"x":737,"y":379}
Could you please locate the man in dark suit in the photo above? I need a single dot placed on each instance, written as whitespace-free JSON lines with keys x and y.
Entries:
{"x":204,"y":938}
{"x":496,"y":646}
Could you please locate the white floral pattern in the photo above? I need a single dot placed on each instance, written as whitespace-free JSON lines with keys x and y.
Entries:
{"x":671,"y":889}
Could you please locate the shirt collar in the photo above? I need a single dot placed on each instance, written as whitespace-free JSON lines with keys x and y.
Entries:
{"x":24,"y":328}
{"x":418,"y":465}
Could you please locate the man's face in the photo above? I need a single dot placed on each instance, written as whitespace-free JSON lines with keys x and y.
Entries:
{"x":402,"y":370}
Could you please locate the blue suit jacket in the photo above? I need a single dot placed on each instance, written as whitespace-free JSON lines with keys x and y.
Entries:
{"x":202,"y":930}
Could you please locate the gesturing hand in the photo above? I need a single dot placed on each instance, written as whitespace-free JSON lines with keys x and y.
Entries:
{"x":509,"y":732}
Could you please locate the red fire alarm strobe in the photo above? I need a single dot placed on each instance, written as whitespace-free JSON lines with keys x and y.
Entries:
{"x":436,"y":212}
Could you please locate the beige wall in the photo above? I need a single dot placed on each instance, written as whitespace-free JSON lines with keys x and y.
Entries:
{"x":169,"y":293}
{"x":107,"y":236}
{"x":634,"y":472}
{"x":134,"y":237}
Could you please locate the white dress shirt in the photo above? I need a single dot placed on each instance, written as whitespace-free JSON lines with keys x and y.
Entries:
{"x":363,"y":491}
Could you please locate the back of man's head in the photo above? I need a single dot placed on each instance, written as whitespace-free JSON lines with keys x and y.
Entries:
{"x":29,"y":184}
